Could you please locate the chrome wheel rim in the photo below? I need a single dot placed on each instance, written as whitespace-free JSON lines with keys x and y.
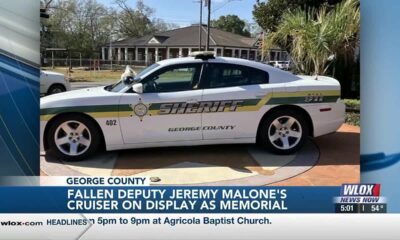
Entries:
{"x":72,"y":138}
{"x":285,"y":132}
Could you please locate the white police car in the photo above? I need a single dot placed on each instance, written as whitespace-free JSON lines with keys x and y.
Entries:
{"x":193,"y":101}
{"x":53,"y":82}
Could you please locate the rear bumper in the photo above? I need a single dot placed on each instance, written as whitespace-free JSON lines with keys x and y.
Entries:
{"x":325,"y":122}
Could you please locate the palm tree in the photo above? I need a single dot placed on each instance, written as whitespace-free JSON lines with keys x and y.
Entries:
{"x":315,"y":38}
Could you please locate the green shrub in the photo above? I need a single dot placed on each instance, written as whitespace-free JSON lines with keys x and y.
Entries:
{"x":352,"y":103}
{"x":352,"y":118}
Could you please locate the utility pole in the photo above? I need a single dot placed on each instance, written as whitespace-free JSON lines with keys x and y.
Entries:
{"x":262,"y":46}
{"x":111,"y":52}
{"x":201,"y":23}
{"x":208,"y":2}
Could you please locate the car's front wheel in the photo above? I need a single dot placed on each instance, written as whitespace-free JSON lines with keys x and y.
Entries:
{"x":73,"y":137}
{"x":283,"y":132}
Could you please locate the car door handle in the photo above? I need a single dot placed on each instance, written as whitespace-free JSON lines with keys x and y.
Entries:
{"x":192,"y":101}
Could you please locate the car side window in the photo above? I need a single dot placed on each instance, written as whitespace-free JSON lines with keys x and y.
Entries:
{"x":173,"y":79}
{"x":231,"y":75}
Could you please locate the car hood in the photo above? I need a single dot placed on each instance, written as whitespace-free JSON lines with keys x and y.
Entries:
{"x":81,"y":97}
{"x":53,"y":73}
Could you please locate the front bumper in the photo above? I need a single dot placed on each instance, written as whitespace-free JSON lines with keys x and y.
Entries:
{"x":42,"y":128}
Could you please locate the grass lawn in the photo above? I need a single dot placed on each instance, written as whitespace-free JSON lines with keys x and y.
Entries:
{"x":80,"y":75}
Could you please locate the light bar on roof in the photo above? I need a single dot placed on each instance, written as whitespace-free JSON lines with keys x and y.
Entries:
{"x":202,"y":54}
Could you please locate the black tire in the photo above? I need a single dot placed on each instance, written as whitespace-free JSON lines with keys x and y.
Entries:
{"x":92,"y":133}
{"x":267,"y":128}
{"x":56,"y":88}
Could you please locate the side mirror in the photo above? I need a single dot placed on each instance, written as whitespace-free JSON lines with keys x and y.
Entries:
{"x":137,"y":87}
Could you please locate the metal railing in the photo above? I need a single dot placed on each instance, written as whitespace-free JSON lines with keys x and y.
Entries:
{"x":88,"y":63}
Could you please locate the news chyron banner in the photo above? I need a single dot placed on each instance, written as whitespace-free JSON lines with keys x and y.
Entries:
{"x":134,"y":195}
{"x":122,"y":207}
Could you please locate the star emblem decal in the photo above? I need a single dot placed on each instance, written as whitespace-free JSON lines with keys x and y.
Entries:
{"x":140,"y":109}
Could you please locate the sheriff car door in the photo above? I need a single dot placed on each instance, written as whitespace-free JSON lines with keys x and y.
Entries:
{"x":234,"y":93}
{"x":162,"y":113}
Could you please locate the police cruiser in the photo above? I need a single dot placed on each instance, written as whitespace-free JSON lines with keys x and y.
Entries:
{"x":194,"y":100}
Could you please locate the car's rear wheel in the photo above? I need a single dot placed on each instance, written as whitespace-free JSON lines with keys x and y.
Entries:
{"x":283,"y":132}
{"x":56,"y":88}
{"x":73,"y":137}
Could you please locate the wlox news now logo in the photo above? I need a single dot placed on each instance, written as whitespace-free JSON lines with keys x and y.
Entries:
{"x":360,"y":193}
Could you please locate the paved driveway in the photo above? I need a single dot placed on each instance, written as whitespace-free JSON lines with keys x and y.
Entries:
{"x":339,"y":160}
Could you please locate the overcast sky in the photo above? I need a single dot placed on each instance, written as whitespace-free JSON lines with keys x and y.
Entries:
{"x":186,"y":12}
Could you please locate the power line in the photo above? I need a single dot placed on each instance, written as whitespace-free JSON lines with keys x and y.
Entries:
{"x":223,"y":5}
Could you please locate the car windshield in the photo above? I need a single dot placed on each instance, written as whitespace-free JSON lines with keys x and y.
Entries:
{"x":146,"y":70}
{"x":121,"y":85}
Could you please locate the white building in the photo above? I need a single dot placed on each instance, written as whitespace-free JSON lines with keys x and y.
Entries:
{"x":180,"y":43}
